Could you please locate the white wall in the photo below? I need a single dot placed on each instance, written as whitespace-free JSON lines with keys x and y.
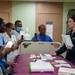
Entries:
{"x":24,"y":11}
{"x":66,"y":8}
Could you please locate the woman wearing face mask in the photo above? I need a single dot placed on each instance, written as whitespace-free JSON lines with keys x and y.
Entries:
{"x":9,"y":36}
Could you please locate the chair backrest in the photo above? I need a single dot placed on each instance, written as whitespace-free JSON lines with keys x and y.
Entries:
{"x":38,"y":47}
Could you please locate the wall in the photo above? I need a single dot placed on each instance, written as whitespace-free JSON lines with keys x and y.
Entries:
{"x":50,"y":12}
{"x":28,"y":20}
{"x":24,"y":11}
{"x":66,"y":8}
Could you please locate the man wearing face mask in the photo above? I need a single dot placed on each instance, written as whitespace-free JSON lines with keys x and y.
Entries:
{"x":18,"y":25}
{"x":9,"y":36}
{"x":3,"y":50}
{"x":20,"y":38}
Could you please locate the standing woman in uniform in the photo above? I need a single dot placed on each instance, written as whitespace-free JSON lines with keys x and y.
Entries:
{"x":70,"y":51}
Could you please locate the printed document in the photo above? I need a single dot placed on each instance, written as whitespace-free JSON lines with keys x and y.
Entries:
{"x":64,"y":70}
{"x":60,"y":61}
{"x":67,"y":40}
{"x":9,"y":44}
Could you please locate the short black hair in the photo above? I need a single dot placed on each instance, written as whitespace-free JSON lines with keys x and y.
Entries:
{"x":17,"y":21}
{"x":40,"y":26}
{"x":1,"y":21}
{"x":9,"y":24}
{"x":73,"y":17}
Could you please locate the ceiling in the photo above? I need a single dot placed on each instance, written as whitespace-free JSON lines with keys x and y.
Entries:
{"x":43,"y":0}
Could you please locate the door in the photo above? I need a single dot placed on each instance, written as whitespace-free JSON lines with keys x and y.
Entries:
{"x":50,"y":12}
{"x":5,"y":16}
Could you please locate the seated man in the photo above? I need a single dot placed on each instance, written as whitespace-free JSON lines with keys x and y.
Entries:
{"x":9,"y":36}
{"x":42,"y":37}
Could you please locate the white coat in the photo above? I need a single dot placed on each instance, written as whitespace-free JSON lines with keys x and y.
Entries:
{"x":12,"y":54}
{"x":18,"y":37}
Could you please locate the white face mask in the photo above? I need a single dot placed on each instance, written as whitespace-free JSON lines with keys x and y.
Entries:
{"x":12,"y":32}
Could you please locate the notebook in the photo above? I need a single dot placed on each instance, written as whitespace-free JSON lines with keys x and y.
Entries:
{"x":65,"y":70}
{"x":40,"y":66}
{"x":67,"y":40}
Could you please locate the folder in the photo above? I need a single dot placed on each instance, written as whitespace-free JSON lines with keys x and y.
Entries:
{"x":67,"y":40}
{"x":65,"y":70}
{"x":41,"y":67}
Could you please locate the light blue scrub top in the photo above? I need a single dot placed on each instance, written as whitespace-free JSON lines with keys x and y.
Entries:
{"x":2,"y":61}
{"x":46,"y":38}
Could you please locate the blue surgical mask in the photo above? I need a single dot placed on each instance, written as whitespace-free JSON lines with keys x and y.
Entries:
{"x":19,"y":29}
{"x":12,"y":32}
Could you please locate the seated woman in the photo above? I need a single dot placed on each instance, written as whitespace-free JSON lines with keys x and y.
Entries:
{"x":42,"y":37}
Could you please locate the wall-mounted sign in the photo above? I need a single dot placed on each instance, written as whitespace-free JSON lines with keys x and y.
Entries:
{"x":49,"y":28}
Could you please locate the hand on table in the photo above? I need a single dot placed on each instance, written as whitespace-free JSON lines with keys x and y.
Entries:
{"x":53,"y":53}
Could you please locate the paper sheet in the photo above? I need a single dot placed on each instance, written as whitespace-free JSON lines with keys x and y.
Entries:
{"x":46,"y":57}
{"x":62,"y":65}
{"x":60,"y":61}
{"x":67,"y":40}
{"x":22,"y":33}
{"x":9,"y":44}
{"x":64,"y":70}
{"x":49,"y":57}
{"x":32,"y":56}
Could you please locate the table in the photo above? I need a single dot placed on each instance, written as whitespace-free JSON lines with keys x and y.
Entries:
{"x":23,"y":61}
